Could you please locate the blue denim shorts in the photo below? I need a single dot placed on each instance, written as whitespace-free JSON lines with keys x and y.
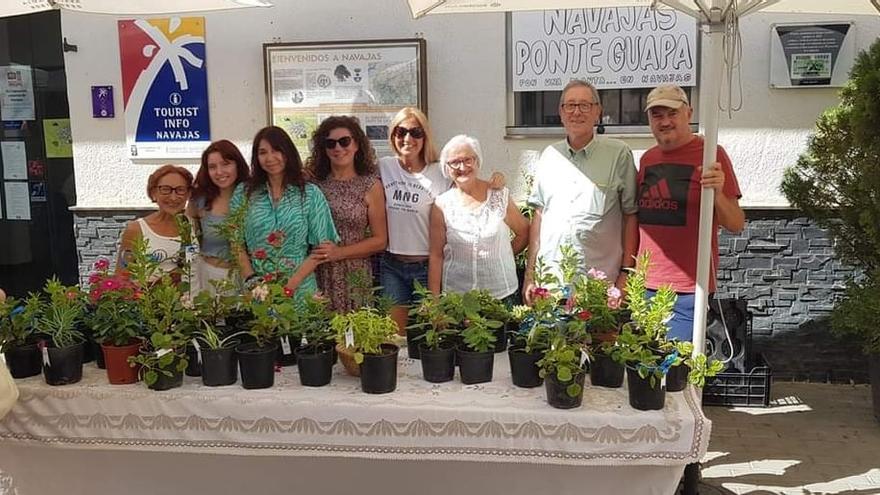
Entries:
{"x":681,"y":326}
{"x":398,"y":278}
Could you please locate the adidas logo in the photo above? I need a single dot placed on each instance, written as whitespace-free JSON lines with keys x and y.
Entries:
{"x":658,"y":197}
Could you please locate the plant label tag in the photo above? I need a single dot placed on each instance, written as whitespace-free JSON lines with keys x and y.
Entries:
{"x":585,"y":358}
{"x":45,"y":351}
{"x":191,"y":251}
{"x":303,"y":341}
{"x":349,"y":338}
{"x":285,"y":345}
{"x":162,"y":352}
{"x":195,"y":342}
{"x":663,"y":382}
{"x":221,"y":322}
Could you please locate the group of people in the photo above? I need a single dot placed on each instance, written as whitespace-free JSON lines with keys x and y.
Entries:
{"x":434,"y":221}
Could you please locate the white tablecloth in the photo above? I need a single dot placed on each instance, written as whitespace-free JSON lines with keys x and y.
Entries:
{"x":491,"y":422}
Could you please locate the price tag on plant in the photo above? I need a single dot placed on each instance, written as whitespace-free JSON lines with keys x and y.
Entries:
{"x":663,"y":382}
{"x":195,"y":342}
{"x":285,"y":345}
{"x":349,"y":338}
{"x":45,"y":351}
{"x":303,"y":341}
{"x":585,"y":358}
{"x":191,"y":251}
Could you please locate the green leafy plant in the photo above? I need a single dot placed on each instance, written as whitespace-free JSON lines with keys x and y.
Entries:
{"x":272,"y":312}
{"x":61,"y":316}
{"x":563,"y":360}
{"x":363,"y":331}
{"x":857,"y":315}
{"x":115,"y":316}
{"x":17,"y":319}
{"x":311,"y":324}
{"x":364,"y":295}
{"x":431,"y":314}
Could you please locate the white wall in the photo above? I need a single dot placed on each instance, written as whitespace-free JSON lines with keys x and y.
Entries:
{"x":466,"y":89}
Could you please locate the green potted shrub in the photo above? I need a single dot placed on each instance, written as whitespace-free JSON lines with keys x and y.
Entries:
{"x":59,"y":320}
{"x":436,"y":331}
{"x":530,"y":340}
{"x":563,"y":373}
{"x":364,"y":296}
{"x":115,"y":319}
{"x":17,"y":338}
{"x":215,"y":346}
{"x":315,"y":353}
{"x":494,"y":310}
{"x":366,"y":335}
{"x":836,"y":181}
{"x":475,"y":354}
{"x":272,"y":308}
{"x":162,"y":357}
{"x":598,"y":304}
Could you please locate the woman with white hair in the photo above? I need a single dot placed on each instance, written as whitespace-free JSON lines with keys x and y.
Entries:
{"x":470,"y":241}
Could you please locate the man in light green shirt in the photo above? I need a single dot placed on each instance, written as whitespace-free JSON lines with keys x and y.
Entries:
{"x":584,"y":194}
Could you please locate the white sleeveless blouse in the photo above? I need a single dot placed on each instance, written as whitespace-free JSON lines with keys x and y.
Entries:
{"x":478,"y":253}
{"x":163,"y":249}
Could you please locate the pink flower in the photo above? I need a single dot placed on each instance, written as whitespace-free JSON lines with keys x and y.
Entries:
{"x":71,"y":295}
{"x":275,"y":238}
{"x":94,"y":278}
{"x":596,"y":274}
{"x":288,"y":292}
{"x":110,"y":284}
{"x":584,"y":315}
{"x":540,"y":293}
{"x":260,"y":254}
{"x":102,"y":264}
{"x":613,"y":292}
{"x":614,"y":302}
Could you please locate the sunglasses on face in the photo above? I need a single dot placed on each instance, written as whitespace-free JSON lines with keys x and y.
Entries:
{"x":331,"y":143}
{"x":415,"y":132}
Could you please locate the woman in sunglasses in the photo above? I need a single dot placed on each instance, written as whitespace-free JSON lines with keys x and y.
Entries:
{"x":281,"y":215}
{"x":343,"y":165}
{"x":223,"y":167}
{"x":471,"y":245}
{"x":169,"y":187}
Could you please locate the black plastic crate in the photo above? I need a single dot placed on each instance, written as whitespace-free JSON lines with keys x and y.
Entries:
{"x":750,"y":389}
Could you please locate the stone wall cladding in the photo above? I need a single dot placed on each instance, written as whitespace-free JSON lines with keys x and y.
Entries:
{"x":97,"y":236}
{"x":784,"y":267}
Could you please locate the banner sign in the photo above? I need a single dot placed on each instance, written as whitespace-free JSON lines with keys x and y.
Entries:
{"x":164,"y":87}
{"x":811,"y":54}
{"x":371,"y":80}
{"x":612,"y":48}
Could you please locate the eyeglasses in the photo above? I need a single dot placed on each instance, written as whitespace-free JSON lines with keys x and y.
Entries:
{"x":583,"y":107}
{"x":415,"y":132}
{"x":331,"y":143}
{"x":461,"y":163}
{"x":166,"y":190}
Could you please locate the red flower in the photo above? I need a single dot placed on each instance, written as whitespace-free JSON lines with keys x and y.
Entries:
{"x":102,"y":264}
{"x":268,"y":277}
{"x":540,"y":293}
{"x":71,"y":295}
{"x":260,"y":254}
{"x":288,"y":292}
{"x":584,"y":315}
{"x":110,"y":284}
{"x":94,"y":278}
{"x":275,"y":238}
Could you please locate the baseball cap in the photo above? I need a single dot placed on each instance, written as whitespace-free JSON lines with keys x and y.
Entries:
{"x":666,"y":95}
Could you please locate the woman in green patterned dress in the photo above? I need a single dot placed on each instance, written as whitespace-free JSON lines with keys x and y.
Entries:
{"x":282,"y":215}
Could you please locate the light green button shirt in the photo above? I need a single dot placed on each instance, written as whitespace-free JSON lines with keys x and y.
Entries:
{"x":583,"y":195}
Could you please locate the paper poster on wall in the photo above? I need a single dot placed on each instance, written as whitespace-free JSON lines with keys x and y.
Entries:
{"x":18,"y":200}
{"x":811,"y":54}
{"x":14,"y":160}
{"x":57,"y":138}
{"x":16,"y":93}
{"x":164,"y":87}
{"x":612,"y":48}
{"x":368,"y":79}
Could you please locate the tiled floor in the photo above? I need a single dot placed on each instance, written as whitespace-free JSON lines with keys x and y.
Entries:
{"x":814,"y":439}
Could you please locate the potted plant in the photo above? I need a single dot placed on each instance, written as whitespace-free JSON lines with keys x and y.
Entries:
{"x":563,"y":373}
{"x":17,"y":338}
{"x":494,"y":310}
{"x":366,"y":334}
{"x":435,"y":332}
{"x":476,"y":352}
{"x":116,"y":320}
{"x":59,"y":320}
{"x":365,"y":296}
{"x":213,"y":345}
{"x":529,"y":341}
{"x":272,"y":309}
{"x":314,"y":356}
{"x":836,"y":181}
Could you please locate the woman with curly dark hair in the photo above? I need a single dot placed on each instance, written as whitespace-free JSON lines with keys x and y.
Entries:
{"x":281,"y":214}
{"x":343,"y":165}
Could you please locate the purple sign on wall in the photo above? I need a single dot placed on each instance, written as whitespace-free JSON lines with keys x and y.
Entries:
{"x":102,"y":102}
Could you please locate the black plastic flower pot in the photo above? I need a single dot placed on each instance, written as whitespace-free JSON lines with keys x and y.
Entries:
{"x":501,"y":338}
{"x":413,"y":342}
{"x":558,"y":394}
{"x":524,"y":367}
{"x":475,"y":367}
{"x":65,"y":365}
{"x":315,"y":365}
{"x":193,"y":366}
{"x":286,"y":354}
{"x":166,"y":382}
{"x":257,"y":365}
{"x":24,"y":361}
{"x":379,"y":371}
{"x":100,"y":362}
{"x":438,"y":365}
{"x":606,"y":372}
{"x":219,"y":367}
{"x":642,"y":395}
{"x":677,"y":378}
